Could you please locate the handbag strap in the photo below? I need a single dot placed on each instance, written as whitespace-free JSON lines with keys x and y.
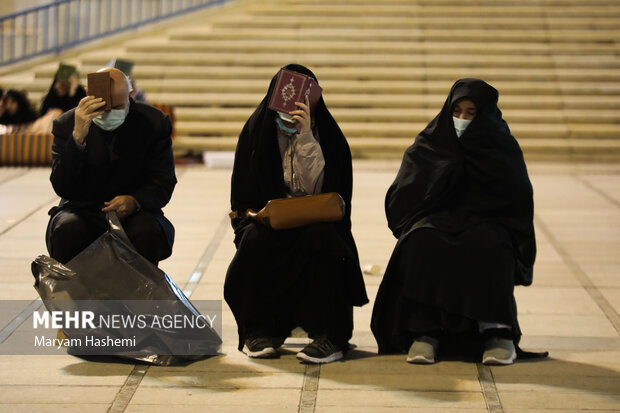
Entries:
{"x":115,"y":227}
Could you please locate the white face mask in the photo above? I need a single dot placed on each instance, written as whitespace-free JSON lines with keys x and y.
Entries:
{"x":111,"y":120}
{"x":460,"y":125}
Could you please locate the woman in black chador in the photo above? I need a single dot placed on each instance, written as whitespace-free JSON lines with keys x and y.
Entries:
{"x":462,"y":209}
{"x":309,"y":276}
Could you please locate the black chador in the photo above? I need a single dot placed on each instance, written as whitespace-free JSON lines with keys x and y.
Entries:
{"x":462,"y":210}
{"x":309,"y":276}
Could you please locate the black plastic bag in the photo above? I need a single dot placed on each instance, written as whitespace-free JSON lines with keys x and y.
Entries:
{"x":110,"y":274}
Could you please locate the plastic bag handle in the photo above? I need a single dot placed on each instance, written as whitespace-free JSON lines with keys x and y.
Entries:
{"x":115,"y":227}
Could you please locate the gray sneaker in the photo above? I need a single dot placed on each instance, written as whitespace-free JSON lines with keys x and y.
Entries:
{"x":423,"y":350}
{"x":499,"y":351}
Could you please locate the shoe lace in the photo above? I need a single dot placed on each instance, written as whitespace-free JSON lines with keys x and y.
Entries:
{"x":324,"y":345}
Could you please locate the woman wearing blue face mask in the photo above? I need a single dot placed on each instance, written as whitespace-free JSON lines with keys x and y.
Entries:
{"x":308,"y":276}
{"x":461,"y":207}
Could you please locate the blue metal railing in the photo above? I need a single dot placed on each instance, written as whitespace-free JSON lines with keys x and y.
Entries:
{"x":63,"y":24}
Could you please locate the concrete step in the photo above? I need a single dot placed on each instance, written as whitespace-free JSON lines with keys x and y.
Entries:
{"x":414,"y":10}
{"x":410,"y":34}
{"x":251,"y":100}
{"x":580,"y":116}
{"x":363,"y":60}
{"x":394,"y":101}
{"x":294,"y":20}
{"x":533,"y":149}
{"x":324,"y":73}
{"x":456,"y":3}
{"x":391,"y":130}
{"x":368,"y":47}
{"x":384,"y":87}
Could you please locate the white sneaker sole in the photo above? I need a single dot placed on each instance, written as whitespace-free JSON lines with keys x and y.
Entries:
{"x":267,"y":352}
{"x":314,"y":360}
{"x":493,"y":361}
{"x":419,"y":359}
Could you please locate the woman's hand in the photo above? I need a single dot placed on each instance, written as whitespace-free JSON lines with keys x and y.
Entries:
{"x":302,"y":116}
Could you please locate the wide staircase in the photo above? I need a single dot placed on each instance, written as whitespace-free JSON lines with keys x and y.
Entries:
{"x":386,"y":68}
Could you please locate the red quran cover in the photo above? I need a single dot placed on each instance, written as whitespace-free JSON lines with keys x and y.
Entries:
{"x":292,"y":87}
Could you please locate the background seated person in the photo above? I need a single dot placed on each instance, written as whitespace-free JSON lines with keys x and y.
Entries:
{"x":65,"y":92}
{"x":126,"y":66}
{"x":16,"y":109}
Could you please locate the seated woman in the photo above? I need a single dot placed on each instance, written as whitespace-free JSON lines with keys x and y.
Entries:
{"x":65,"y":92}
{"x":309,"y":276}
{"x":462,"y":209}
{"x":16,"y":109}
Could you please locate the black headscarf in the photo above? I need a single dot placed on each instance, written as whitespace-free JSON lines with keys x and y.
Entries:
{"x":258,"y":175}
{"x":25,"y":113}
{"x":451,"y":183}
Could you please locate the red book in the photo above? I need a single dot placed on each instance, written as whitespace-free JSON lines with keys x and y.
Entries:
{"x":293,"y":87}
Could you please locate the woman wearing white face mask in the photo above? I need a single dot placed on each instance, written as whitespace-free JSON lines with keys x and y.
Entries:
{"x":461,"y":207}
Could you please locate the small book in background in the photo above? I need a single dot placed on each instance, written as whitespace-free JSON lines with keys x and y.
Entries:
{"x":99,"y":86}
{"x":293,"y":87}
{"x":65,"y":72}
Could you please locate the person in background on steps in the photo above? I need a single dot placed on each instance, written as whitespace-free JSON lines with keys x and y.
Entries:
{"x":126,"y":66}
{"x":305,"y":277}
{"x":65,"y":92}
{"x":16,"y":109}
{"x":462,"y":209}
{"x":119,"y":161}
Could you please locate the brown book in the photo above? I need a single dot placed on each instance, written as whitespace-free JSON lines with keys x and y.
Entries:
{"x":293,"y":87}
{"x":99,"y":86}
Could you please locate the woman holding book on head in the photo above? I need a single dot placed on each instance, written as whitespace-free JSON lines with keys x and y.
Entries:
{"x":306,"y":276}
{"x":461,"y":207}
{"x":65,"y":92}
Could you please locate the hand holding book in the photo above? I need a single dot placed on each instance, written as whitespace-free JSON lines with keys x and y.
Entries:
{"x":302,"y":116}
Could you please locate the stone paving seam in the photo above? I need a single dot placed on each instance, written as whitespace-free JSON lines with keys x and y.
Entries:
{"x":489,"y":389}
{"x":18,"y":174}
{"x":125,"y":394}
{"x":31,"y":213}
{"x":19,"y":319}
{"x":581,"y":276}
{"x":207,"y":256}
{"x":594,"y":188}
{"x":309,"y":388}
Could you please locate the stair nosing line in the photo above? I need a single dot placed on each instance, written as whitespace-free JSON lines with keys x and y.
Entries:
{"x":125,"y":394}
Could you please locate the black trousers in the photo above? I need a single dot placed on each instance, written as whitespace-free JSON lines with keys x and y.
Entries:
{"x":70,"y":231}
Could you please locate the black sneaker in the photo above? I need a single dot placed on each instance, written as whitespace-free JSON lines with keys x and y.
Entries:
{"x":320,"y":351}
{"x":260,"y":347}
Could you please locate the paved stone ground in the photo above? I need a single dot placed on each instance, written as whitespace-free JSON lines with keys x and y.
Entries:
{"x":571,"y":310}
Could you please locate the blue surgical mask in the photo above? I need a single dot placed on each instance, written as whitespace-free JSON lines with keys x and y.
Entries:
{"x":286,"y":129}
{"x":460,"y":125}
{"x":111,"y":120}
